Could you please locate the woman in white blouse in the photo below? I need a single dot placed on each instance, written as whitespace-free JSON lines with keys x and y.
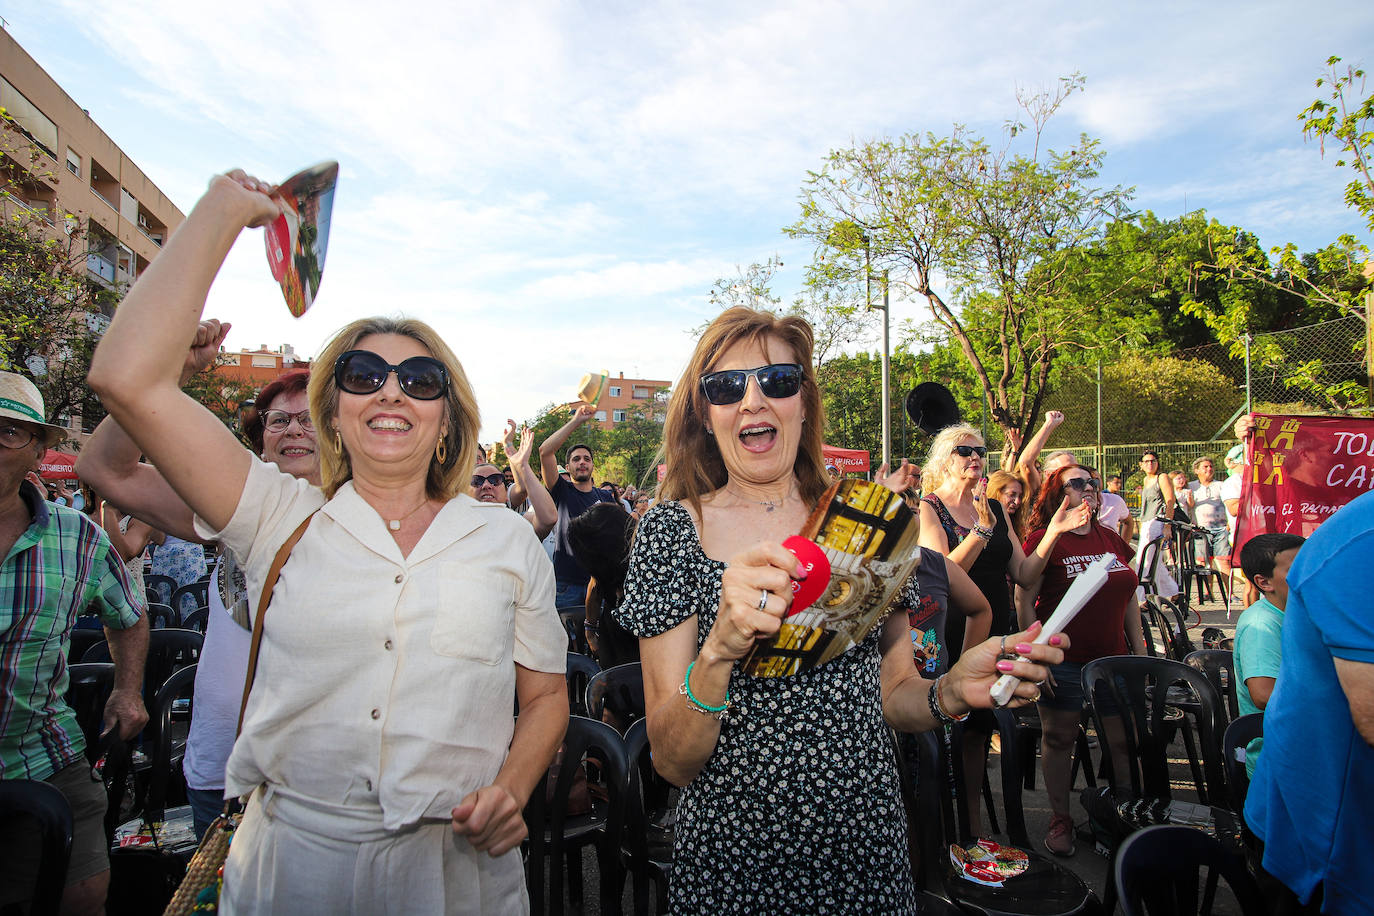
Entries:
{"x":385,"y":770}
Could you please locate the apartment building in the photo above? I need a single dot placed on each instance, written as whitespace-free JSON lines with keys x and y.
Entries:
{"x":260,"y":366}
{"x":57,"y":165}
{"x":621,"y":394}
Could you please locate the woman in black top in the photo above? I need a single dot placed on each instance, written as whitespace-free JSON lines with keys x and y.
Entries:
{"x":959,"y":520}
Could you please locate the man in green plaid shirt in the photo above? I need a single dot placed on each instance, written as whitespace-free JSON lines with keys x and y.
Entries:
{"x":57,"y":563}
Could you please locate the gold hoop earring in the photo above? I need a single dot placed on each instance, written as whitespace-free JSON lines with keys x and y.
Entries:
{"x":441,"y":450}
{"x":338,"y":441}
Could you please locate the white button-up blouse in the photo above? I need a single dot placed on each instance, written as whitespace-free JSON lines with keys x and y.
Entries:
{"x":386,"y":681}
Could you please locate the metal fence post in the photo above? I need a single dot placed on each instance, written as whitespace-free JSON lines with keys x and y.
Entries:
{"x":1248,"y":407}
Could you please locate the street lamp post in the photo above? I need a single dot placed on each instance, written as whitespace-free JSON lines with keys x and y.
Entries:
{"x":868,"y":304}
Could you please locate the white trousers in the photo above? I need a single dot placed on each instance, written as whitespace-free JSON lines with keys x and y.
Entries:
{"x":1164,"y":582}
{"x":294,"y":855}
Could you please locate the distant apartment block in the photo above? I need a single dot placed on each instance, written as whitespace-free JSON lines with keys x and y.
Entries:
{"x":59,"y":166}
{"x":259,"y":366}
{"x":621,"y":394}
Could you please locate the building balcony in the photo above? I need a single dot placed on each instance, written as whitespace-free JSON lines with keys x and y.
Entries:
{"x":100,"y":267}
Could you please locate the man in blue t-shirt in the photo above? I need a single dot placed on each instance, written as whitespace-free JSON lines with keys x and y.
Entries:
{"x":572,"y":499}
{"x":1310,"y":799}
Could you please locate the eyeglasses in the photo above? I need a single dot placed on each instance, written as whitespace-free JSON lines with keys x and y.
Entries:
{"x":964,"y":451}
{"x":1082,"y":483}
{"x":495,"y":480}
{"x":12,"y":436}
{"x":1148,"y":459}
{"x":423,"y":378}
{"x":278,"y":421}
{"x":780,"y":380}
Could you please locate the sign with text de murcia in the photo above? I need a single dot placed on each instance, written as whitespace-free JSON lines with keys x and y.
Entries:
{"x":1299,"y":471}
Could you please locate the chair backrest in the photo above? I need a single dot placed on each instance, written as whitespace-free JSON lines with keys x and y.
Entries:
{"x":1220,"y":668}
{"x":1180,"y":643}
{"x":160,"y":588}
{"x":197,"y":620}
{"x":581,"y":669}
{"x":82,"y":638}
{"x":648,"y":793}
{"x":1239,"y":734}
{"x":181,"y":684}
{"x":169,"y":650}
{"x":1149,"y":561}
{"x":161,"y":616}
{"x":88,"y":687}
{"x":189,"y":597}
{"x":1138,"y":687}
{"x":24,"y":803}
{"x":619,"y":690}
{"x":1158,"y":871}
{"x":546,"y":811}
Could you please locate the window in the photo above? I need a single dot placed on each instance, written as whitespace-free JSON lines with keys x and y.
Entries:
{"x":640,"y":391}
{"x":264,"y":362}
{"x":615,"y":391}
{"x":73,"y":162}
{"x":618,"y":416}
{"x":601,"y":416}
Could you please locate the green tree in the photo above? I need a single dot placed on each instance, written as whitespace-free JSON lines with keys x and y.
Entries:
{"x":635,"y":440}
{"x":955,"y":213}
{"x":224,"y":397}
{"x":1349,"y":123}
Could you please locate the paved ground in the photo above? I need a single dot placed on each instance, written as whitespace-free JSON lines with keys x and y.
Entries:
{"x":1087,"y":864}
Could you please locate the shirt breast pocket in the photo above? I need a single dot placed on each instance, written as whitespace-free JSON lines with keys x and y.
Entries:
{"x":476,"y":615}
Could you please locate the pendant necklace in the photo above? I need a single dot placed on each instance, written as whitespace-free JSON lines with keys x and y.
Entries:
{"x":395,"y":523}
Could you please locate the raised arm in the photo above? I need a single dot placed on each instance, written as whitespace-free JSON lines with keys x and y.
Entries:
{"x":1025,"y":463}
{"x":137,"y":367}
{"x":548,"y":449}
{"x":543,"y":513}
{"x":110,"y":460}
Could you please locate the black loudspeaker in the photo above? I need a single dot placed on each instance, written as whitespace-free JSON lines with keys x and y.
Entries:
{"x":932,"y":407}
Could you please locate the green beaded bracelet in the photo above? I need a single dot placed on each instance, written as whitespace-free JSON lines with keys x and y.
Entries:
{"x":697,"y":704}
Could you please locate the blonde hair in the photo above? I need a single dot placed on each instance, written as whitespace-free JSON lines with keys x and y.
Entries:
{"x":936,"y":468}
{"x":998,"y":481}
{"x":694,"y":464}
{"x":461,"y":420}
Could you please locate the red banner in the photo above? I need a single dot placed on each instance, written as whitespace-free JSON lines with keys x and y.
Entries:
{"x":847,"y":460}
{"x":1299,"y":471}
{"x":57,"y":466}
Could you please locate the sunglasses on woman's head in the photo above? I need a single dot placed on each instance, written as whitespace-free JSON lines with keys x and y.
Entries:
{"x":780,"y":380}
{"x":964,"y":451}
{"x":423,"y":378}
{"x":494,"y":479}
{"x":1082,"y":483}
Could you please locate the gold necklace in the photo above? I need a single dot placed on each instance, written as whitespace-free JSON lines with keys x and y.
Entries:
{"x":395,"y":523}
{"x":768,"y":504}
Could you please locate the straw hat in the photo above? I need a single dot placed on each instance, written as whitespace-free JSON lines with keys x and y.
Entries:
{"x":20,"y":400}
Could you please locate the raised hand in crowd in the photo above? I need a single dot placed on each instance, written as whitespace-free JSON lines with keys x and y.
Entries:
{"x":906,"y":477}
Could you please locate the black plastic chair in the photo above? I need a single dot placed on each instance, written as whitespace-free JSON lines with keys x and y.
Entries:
{"x":556,"y":838}
{"x":160,"y":588}
{"x":24,"y":804}
{"x":1195,"y":564}
{"x":81,"y":639}
{"x":574,"y":620}
{"x":1234,"y":743}
{"x":1158,"y":871}
{"x":581,"y":669}
{"x":161,"y":616}
{"x":189,"y":597}
{"x":88,"y":688}
{"x":648,"y":842}
{"x":1044,"y":888}
{"x":1220,"y":668}
{"x":197,"y":620}
{"x":168,"y":746}
{"x":168,"y":651}
{"x":618,"y":690}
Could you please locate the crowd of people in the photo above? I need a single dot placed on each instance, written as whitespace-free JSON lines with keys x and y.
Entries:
{"x":410,"y":593}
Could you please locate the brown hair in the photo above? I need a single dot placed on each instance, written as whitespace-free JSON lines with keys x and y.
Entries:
{"x":443,"y":481}
{"x":286,"y":383}
{"x":998,"y":481}
{"x":694,"y":464}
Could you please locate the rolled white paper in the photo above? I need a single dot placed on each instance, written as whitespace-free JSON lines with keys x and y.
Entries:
{"x":1084,"y":586}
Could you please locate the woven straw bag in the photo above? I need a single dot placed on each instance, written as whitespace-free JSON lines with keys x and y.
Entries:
{"x":199,"y":890}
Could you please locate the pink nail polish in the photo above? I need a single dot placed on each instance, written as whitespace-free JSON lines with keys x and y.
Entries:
{"x":1055,"y":640}
{"x":1023,"y":648}
{"x":1004,"y":666}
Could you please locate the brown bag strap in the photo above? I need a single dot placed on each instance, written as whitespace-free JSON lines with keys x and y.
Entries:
{"x":264,"y":599}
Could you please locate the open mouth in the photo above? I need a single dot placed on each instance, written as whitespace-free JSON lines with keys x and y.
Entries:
{"x":391,"y":424}
{"x":296,"y":451}
{"x":758,"y":438}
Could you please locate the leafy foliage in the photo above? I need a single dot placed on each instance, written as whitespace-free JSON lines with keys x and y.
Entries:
{"x":1348,"y":122}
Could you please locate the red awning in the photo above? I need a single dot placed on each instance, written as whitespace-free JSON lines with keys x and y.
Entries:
{"x":847,"y":460}
{"x":57,"y":466}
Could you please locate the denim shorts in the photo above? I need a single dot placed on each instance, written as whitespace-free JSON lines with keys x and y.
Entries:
{"x":1068,"y":690}
{"x":1220,"y":541}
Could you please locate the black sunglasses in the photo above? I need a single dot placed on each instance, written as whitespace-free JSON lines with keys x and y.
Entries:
{"x":1082,"y":483}
{"x":780,"y":380}
{"x":495,"y":480}
{"x":964,"y":451}
{"x":423,"y":378}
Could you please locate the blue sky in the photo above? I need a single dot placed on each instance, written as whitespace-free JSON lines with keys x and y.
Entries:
{"x":556,"y":185}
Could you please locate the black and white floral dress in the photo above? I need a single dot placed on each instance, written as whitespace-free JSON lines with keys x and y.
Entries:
{"x":798,"y":809}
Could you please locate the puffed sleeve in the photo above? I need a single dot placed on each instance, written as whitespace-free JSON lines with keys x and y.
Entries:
{"x":663,"y":585}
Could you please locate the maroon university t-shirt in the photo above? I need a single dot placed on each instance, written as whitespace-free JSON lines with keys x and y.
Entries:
{"x":1098,"y":629}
